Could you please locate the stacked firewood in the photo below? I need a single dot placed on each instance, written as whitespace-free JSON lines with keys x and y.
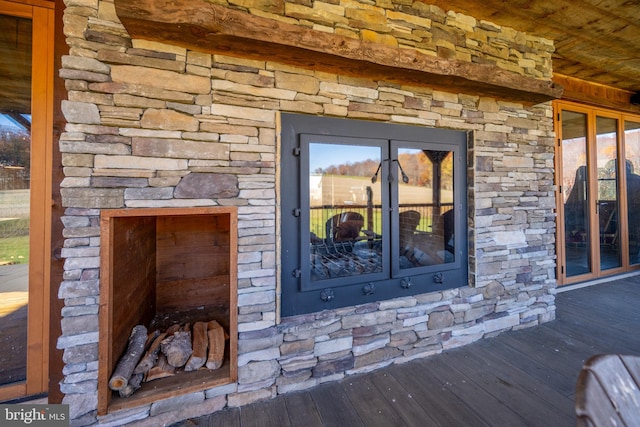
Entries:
{"x":162,"y":354}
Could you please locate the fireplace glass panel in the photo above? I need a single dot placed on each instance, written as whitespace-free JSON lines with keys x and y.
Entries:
{"x":425,"y":205}
{"x":344,"y":210}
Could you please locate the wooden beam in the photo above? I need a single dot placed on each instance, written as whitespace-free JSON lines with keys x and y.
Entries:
{"x":596,"y":94}
{"x":203,"y":26}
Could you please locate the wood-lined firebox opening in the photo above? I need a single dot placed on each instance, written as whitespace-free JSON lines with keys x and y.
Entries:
{"x":166,"y":269}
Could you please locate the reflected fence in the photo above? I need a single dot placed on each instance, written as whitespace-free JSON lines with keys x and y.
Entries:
{"x":372,"y":214}
{"x":14,"y":178}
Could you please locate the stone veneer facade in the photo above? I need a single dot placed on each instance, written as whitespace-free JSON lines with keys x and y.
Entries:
{"x":143,"y":115}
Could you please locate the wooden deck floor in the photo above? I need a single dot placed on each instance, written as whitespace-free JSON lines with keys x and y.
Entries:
{"x":521,"y":378}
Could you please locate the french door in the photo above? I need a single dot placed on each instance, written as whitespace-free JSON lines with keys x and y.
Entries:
{"x":26,"y":87}
{"x":598,"y":178}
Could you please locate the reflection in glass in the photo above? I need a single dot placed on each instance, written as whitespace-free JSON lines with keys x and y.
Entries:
{"x":608,"y":212}
{"x":425,"y":199}
{"x":632,"y":154}
{"x":574,"y":193}
{"x":15,"y":139}
{"x":345,"y":217}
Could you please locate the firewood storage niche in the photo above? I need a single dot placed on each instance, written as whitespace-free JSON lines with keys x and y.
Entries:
{"x":159,"y":267}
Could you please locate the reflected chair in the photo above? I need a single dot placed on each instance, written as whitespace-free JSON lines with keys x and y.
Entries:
{"x":344,"y":227}
{"x":408,"y":221}
{"x":448,"y":219}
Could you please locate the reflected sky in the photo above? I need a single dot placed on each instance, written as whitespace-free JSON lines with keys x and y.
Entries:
{"x":321,"y":156}
{"x":7,"y":122}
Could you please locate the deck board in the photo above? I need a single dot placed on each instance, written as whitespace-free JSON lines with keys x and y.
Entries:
{"x":522,"y":394}
{"x":515,"y":369}
{"x":532,"y":367}
{"x":302,"y":410}
{"x":334,"y":406}
{"x":442,"y":404}
{"x":489,"y":409}
{"x":227,"y":418}
{"x":370,"y":403}
{"x":526,"y":377}
{"x":265,"y":414}
{"x":410,"y":411}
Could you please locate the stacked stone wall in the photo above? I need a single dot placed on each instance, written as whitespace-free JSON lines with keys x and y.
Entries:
{"x":156,"y":125}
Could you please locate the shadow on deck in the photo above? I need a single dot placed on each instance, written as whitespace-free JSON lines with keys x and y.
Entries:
{"x":519,"y":378}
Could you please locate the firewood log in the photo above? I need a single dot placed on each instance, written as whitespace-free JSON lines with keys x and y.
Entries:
{"x":160,"y":370}
{"x":150,"y":357}
{"x":172,"y":329}
{"x":199,"y":355}
{"x":177,"y":348}
{"x":151,"y":337}
{"x":128,"y":362}
{"x":132,"y":386}
{"x":215,"y":334}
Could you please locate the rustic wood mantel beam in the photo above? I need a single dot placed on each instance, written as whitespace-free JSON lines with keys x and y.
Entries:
{"x":206,"y":27}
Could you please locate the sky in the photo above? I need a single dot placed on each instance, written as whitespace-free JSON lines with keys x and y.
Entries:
{"x":325,"y":155}
{"x":5,"y":122}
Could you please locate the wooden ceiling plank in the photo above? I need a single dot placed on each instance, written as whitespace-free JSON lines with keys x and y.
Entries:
{"x":15,"y":63}
{"x":622,"y":10}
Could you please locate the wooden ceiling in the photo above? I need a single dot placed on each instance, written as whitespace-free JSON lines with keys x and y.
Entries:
{"x":595,"y":40}
{"x":15,"y":66}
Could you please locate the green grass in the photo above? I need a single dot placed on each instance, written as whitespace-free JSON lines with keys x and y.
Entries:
{"x":14,"y":250}
{"x":14,"y":241}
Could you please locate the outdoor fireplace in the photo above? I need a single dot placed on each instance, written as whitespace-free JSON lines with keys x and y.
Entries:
{"x":378,"y":211}
{"x":160,"y":267}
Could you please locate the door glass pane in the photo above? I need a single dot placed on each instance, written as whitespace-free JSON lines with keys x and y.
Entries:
{"x":15,"y":141}
{"x":632,"y":154}
{"x":574,"y":193}
{"x":345,"y":210}
{"x":425,"y":201}
{"x":608,"y":213}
